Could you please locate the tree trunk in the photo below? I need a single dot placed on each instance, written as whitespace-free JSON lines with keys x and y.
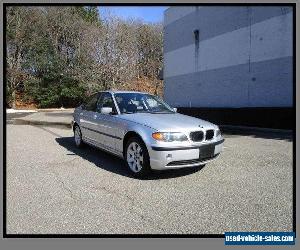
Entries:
{"x":13,"y":105}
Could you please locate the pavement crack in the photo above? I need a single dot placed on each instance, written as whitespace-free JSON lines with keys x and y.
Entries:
{"x":133,"y":209}
{"x":64,"y":186}
{"x":113,"y":192}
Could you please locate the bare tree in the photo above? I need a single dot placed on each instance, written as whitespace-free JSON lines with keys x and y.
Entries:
{"x":53,"y":46}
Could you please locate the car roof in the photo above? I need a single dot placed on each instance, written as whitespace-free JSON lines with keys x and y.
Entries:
{"x":118,"y":91}
{"x":123,"y":91}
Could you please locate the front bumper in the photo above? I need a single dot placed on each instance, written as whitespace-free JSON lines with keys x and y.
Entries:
{"x":181,"y":157}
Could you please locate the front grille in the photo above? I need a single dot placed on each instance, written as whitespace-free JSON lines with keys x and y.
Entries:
{"x":187,"y":162}
{"x":197,"y":136}
{"x":209,"y":134}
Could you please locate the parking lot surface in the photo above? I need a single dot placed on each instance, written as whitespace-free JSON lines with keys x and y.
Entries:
{"x":53,"y":187}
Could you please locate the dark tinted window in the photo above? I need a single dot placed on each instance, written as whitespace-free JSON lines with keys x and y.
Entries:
{"x":90,"y":105}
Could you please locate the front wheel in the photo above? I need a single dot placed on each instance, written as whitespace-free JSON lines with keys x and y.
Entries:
{"x":137,"y":157}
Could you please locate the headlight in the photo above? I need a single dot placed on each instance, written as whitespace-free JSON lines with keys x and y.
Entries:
{"x":218,"y":133}
{"x":169,"y":136}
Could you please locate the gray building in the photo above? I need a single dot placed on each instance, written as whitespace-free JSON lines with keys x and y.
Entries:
{"x":235,"y":61}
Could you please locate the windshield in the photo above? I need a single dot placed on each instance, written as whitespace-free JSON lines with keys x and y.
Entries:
{"x":141,"y":103}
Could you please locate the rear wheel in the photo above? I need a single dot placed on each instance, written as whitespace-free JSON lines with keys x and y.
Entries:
{"x":137,"y":157}
{"x":78,"y":137}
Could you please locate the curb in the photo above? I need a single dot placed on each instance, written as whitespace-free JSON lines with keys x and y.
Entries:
{"x":225,"y":128}
{"x":55,"y":110}
{"x":11,"y":111}
{"x":18,"y":121}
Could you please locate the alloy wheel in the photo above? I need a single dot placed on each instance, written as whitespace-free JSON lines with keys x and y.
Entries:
{"x":135,"y":157}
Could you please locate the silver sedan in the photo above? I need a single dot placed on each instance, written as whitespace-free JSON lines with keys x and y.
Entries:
{"x":145,"y":131}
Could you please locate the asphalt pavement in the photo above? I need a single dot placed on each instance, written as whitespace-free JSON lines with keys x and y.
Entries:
{"x":53,"y":187}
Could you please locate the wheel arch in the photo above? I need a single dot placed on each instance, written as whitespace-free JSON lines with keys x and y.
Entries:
{"x":129,"y":135}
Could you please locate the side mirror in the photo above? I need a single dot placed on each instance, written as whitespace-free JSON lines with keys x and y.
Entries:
{"x":106,"y":110}
{"x":175,"y":109}
{"x":82,"y":106}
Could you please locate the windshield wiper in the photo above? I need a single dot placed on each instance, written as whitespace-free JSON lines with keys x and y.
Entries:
{"x":162,"y":112}
{"x":141,"y":111}
{"x":125,"y":112}
{"x":150,"y":112}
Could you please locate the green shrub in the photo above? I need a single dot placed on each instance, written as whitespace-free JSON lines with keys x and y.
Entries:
{"x":55,"y":93}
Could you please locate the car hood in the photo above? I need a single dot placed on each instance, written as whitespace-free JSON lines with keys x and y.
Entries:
{"x":168,"y":122}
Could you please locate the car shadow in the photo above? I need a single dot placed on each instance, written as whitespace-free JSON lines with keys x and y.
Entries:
{"x":111,"y":163}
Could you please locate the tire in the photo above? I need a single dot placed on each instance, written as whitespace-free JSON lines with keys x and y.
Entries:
{"x":137,"y":157}
{"x":78,"y":137}
{"x":197,"y":168}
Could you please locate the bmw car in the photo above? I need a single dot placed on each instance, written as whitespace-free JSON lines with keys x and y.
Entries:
{"x":145,"y":131}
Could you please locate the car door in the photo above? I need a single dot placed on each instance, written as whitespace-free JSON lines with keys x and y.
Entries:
{"x":107,"y":124}
{"x":87,"y":118}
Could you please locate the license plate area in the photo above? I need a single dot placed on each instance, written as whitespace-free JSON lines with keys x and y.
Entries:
{"x":206,"y":152}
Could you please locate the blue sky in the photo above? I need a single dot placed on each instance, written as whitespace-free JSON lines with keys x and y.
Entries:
{"x":148,"y":14}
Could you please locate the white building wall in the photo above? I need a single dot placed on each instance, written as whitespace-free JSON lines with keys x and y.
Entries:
{"x":249,"y":65}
